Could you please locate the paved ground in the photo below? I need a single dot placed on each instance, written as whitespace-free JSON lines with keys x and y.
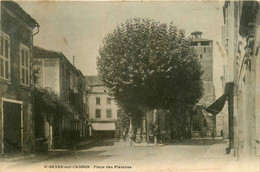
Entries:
{"x":108,"y":155}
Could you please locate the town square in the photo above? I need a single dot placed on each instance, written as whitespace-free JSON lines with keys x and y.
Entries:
{"x":130,"y":86}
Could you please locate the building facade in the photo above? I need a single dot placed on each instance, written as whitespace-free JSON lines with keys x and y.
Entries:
{"x":202,"y":122}
{"x":102,"y":108}
{"x":241,"y":40}
{"x":16,"y":84}
{"x":241,"y":37}
{"x":56,"y":73}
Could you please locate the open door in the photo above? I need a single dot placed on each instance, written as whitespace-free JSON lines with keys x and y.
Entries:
{"x":12,"y":127}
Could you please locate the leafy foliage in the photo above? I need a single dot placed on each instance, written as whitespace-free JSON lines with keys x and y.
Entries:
{"x":123,"y":120}
{"x":150,"y":65}
{"x":47,"y":102}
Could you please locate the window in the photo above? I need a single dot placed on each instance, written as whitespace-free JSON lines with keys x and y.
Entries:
{"x":97,"y":100}
{"x":201,"y":56}
{"x":194,"y":43}
{"x":24,"y":65}
{"x":4,"y":56}
{"x":204,"y":43}
{"x":109,"y":113}
{"x":205,"y":50}
{"x":98,"y":113}
{"x":108,"y":101}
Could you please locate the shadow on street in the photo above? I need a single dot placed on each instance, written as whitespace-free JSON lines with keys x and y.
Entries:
{"x":97,"y":143}
{"x":197,"y":142}
{"x":82,"y":153}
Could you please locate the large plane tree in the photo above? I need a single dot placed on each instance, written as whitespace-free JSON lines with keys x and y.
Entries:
{"x":150,"y":65}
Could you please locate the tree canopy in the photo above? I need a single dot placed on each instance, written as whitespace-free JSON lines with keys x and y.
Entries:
{"x":148,"y":65}
{"x":48,"y":103}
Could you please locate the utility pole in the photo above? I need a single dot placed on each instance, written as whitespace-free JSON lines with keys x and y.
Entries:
{"x":214,"y":126}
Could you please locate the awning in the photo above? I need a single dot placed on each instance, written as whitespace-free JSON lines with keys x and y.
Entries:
{"x":217,"y":105}
{"x":111,"y":126}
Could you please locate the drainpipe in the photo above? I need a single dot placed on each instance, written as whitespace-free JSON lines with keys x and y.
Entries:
{"x":32,"y":83}
{"x":230,"y":89}
{"x":38,"y":29}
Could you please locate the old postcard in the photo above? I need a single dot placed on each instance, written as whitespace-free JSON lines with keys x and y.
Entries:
{"x":130,"y":86}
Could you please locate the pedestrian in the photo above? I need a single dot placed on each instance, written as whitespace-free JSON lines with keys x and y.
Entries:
{"x":163,"y":134}
{"x":124,"y":135}
{"x":117,"y":134}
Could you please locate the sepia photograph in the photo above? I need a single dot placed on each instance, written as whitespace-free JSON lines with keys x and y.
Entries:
{"x":129,"y":86}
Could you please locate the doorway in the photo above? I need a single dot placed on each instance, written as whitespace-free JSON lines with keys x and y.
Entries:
{"x":12,"y":127}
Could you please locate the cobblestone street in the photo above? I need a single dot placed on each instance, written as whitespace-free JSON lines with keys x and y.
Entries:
{"x":108,"y":155}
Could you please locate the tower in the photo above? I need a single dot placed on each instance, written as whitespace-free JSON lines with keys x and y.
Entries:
{"x":204,"y":49}
{"x":203,"y":122}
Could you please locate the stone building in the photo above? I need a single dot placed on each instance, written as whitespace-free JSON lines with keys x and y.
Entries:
{"x":241,"y":40}
{"x":56,"y":73}
{"x":202,"y":122}
{"x":102,"y":108}
{"x":16,"y":84}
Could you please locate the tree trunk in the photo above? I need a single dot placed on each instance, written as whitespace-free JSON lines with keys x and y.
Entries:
{"x":156,"y":116}
{"x":182,"y":127}
{"x":130,"y":132}
{"x":190,"y":127}
{"x":144,"y":129}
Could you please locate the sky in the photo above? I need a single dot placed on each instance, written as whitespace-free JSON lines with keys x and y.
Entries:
{"x":78,"y":28}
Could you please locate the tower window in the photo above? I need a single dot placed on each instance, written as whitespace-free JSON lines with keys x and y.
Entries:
{"x":204,"y":43}
{"x":97,"y":100}
{"x":194,"y":43}
{"x":201,"y":56}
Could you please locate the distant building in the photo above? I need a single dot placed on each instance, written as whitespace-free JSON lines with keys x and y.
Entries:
{"x":204,"y":49}
{"x":56,"y":73}
{"x":102,"y":108}
{"x":202,"y":123}
{"x":16,"y":83}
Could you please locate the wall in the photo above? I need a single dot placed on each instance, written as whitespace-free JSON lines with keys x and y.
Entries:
{"x":207,"y":65}
{"x":209,"y":93}
{"x":13,"y":89}
{"x":243,"y":69}
{"x":247,"y":143}
{"x":49,"y":74}
{"x":98,"y":91}
{"x":206,"y":60}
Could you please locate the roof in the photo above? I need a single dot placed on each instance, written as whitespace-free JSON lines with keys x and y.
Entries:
{"x":39,"y":52}
{"x":200,"y":40}
{"x":196,"y":33}
{"x":19,"y":13}
{"x":93,"y":80}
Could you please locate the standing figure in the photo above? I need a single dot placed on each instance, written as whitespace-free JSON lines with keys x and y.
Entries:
{"x":117,"y":134}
